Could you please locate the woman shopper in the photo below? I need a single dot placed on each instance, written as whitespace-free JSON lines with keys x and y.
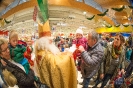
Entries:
{"x":114,"y":59}
{"x":23,"y":80}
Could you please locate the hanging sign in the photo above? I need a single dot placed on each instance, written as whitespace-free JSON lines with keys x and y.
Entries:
{"x":35,"y":13}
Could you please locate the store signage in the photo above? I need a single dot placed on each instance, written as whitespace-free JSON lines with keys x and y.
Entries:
{"x":35,"y":13}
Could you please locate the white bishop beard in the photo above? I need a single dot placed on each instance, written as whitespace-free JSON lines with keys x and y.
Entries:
{"x":52,"y":48}
{"x":44,"y":43}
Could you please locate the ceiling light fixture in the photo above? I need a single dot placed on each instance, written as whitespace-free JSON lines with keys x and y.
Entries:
{"x":84,"y":13}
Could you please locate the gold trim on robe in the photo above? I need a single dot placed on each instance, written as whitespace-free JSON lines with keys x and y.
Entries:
{"x":57,"y":71}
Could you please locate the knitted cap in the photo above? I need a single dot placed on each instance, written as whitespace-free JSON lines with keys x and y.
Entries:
{"x":79,"y":31}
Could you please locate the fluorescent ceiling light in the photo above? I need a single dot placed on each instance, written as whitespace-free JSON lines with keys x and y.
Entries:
{"x":84,"y":13}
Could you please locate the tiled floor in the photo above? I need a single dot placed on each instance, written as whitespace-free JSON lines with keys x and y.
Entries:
{"x":79,"y":79}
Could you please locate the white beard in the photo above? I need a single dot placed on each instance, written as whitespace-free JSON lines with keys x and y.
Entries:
{"x":44,"y":43}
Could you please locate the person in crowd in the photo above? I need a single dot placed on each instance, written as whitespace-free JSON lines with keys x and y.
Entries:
{"x":129,"y":69}
{"x":61,"y":44}
{"x":79,"y":40}
{"x":128,"y":52}
{"x":56,"y":40}
{"x":68,"y":43}
{"x":23,"y":80}
{"x":128,"y":74}
{"x":114,"y":59}
{"x":55,"y":69}
{"x":92,"y":58}
{"x":127,"y":78}
{"x":17,"y":51}
{"x":130,"y":40}
{"x":29,"y":51}
{"x":104,"y":42}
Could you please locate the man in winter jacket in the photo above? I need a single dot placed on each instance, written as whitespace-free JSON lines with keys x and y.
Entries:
{"x":91,"y":58}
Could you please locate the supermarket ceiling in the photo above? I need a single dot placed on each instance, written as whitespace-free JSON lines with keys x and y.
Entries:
{"x":66,"y":18}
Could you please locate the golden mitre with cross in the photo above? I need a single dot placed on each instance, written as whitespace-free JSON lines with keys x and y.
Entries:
{"x":44,"y":29}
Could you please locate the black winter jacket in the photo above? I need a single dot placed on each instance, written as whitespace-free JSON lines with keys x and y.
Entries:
{"x":23,"y":80}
